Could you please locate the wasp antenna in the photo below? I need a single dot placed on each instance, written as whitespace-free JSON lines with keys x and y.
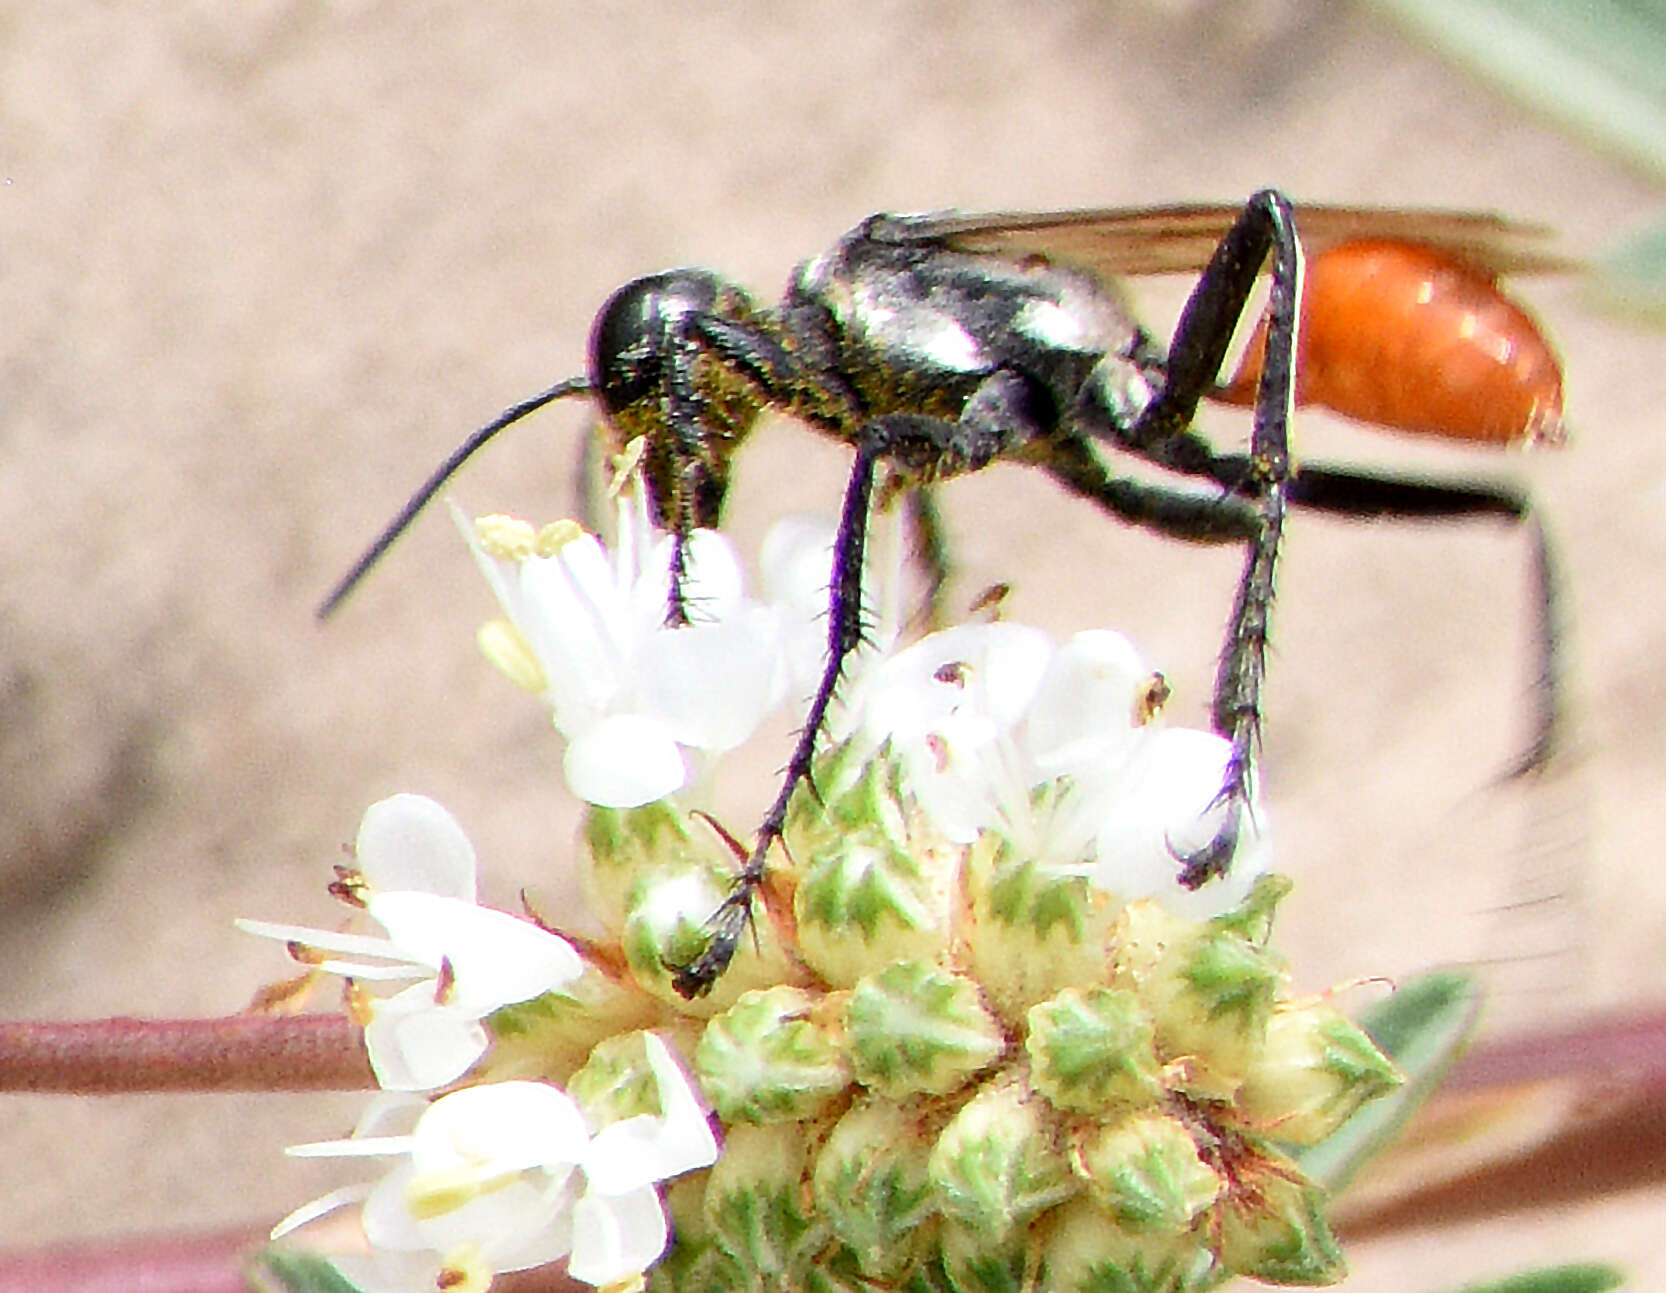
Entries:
{"x":444,"y":472}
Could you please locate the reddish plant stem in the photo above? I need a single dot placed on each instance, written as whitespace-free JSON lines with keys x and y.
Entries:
{"x":207,"y":1263}
{"x":1626,"y":1051}
{"x":240,"y":1053}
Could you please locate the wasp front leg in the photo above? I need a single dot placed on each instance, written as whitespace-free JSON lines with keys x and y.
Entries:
{"x":997,"y":419}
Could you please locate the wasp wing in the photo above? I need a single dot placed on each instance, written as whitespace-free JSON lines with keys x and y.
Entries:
{"x":1121,"y":241}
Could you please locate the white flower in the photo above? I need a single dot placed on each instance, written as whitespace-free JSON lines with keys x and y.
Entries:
{"x":1054,"y":748}
{"x":466,"y":960}
{"x":630,"y":694}
{"x":507,"y":1175}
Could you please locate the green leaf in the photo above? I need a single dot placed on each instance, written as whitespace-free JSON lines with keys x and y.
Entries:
{"x":1423,"y":1027}
{"x":1598,"y":67}
{"x":1588,"y":1278}
{"x":1631,"y":277}
{"x":297,"y":1272}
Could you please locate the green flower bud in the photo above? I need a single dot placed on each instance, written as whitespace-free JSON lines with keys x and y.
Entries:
{"x":1088,"y":1252}
{"x":552,"y":1034}
{"x":1146,"y":1171}
{"x":768,"y":1059}
{"x":1272,"y":1226}
{"x":869,"y":891}
{"x":976,"y":1262}
{"x":758,"y":1209}
{"x":872,"y":1188}
{"x":917,"y":1028}
{"x":1034,"y":930}
{"x":616,"y":1082}
{"x":1091,"y":1049}
{"x":1316,"y":1069}
{"x":696,"y":1262}
{"x":665,"y":925}
{"x":622,"y":845}
{"x":696,"y":1266}
{"x":997,"y":1164}
{"x":1209,"y":990}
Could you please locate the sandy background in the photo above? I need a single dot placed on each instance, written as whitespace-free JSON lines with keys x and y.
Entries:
{"x":262,"y":265}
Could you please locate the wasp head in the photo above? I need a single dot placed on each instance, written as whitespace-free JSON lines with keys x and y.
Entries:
{"x":660,"y":378}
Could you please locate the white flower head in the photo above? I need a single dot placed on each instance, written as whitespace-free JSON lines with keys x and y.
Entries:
{"x":631,"y":694}
{"x":464,"y":961}
{"x":1054,"y":748}
{"x":508,"y":1176}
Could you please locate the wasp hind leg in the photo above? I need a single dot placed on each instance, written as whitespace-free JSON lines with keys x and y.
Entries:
{"x":1264,"y":230}
{"x":1368,"y":495}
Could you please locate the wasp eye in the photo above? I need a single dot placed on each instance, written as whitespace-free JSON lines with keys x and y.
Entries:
{"x":635,"y":326}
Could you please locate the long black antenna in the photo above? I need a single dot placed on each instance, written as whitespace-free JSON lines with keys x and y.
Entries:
{"x":434,"y":483}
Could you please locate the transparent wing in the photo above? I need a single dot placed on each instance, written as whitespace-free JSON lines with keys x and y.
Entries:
{"x":1180,"y":239}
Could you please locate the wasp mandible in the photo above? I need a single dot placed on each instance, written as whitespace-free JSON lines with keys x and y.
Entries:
{"x":936,"y":344}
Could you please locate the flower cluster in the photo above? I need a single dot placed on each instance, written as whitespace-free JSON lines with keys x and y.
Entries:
{"x":981,"y":1037}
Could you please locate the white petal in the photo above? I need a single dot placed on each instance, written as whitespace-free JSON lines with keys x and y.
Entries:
{"x":988,"y":669}
{"x":797,"y":562}
{"x":527,"y":1224}
{"x":415,"y":1044}
{"x":386,"y":1216}
{"x":546,"y":1242}
{"x":1083,"y":710}
{"x":323,"y":939}
{"x":624,"y":761}
{"x":645,"y":588}
{"x":501,"y":1126}
{"x":713,"y":684}
{"x":1166,"y":806}
{"x":688,"y":1140}
{"x":411,"y":842}
{"x":634,"y":1152}
{"x":362,"y":1147}
{"x":518,"y":1223}
{"x":577,"y":625}
{"x":616,"y":1236}
{"x":498,"y":574}
{"x":951,"y":772}
{"x":496,"y":959}
{"x":712,"y":580}
{"x":797,"y":565}
{"x":320,"y":1207}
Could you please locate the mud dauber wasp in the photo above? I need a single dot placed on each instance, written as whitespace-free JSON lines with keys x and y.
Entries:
{"x":937,"y":344}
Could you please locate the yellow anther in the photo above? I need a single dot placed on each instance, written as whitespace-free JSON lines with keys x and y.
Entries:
{"x":626,"y":464}
{"x":505,"y":537}
{"x":556,"y":536}
{"x":511,"y":655}
{"x":1150,"y":698}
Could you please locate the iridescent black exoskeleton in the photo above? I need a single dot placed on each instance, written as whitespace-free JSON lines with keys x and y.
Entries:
{"x":934,"y":345}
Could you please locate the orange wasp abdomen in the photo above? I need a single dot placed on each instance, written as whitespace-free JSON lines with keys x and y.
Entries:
{"x":1413,"y":339}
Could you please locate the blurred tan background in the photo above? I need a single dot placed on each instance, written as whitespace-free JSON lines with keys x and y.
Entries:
{"x":263,"y":265}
